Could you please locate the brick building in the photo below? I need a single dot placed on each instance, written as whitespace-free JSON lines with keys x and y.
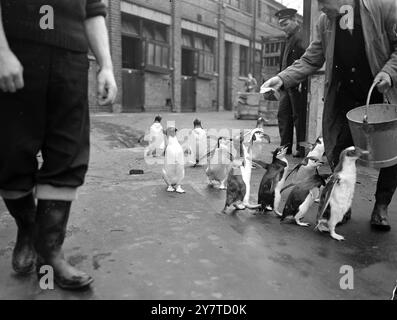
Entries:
{"x":188,"y":55}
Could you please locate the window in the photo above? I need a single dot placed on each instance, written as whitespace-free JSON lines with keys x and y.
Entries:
{"x":157,"y":47}
{"x":243,"y":61}
{"x":130,"y":25}
{"x":157,"y":54}
{"x":206,"y":55}
{"x":187,"y":40}
{"x":204,"y":52}
{"x":244,"y":5}
{"x":131,"y":52}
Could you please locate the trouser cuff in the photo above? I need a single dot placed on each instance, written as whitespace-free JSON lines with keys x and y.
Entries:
{"x":384,"y":199}
{"x":14,"y":194}
{"x":48,"y":192}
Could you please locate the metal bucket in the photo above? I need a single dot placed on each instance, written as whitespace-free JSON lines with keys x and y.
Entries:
{"x":374,"y":128}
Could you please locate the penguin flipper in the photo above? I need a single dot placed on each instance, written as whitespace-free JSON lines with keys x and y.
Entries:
{"x":296,"y":169}
{"x":287,"y":187}
{"x":326,"y":196}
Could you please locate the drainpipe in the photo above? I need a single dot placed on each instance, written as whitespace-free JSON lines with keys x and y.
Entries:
{"x":253,"y":40}
{"x":176,"y":55}
{"x":221,"y":57}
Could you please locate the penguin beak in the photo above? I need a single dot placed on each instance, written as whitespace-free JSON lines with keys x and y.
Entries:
{"x":266,"y":137}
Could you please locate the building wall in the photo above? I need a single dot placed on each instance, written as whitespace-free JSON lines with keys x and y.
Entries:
{"x":201,"y":17}
{"x":206,"y":95}
{"x":157,"y":91}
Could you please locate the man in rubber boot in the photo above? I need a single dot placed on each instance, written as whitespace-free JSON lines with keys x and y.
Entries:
{"x":357,"y":39}
{"x":44,"y":108}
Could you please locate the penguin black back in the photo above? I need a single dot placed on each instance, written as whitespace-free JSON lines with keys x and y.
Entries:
{"x":236,"y":188}
{"x":273,"y":175}
{"x":300,"y":192}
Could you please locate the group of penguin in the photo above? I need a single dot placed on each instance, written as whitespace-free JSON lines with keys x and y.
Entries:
{"x":231,"y":167}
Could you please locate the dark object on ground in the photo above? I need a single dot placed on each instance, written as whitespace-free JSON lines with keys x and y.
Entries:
{"x":134,"y":171}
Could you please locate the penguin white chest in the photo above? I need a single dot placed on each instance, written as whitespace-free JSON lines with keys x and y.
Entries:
{"x":342,"y":197}
{"x":285,"y":174}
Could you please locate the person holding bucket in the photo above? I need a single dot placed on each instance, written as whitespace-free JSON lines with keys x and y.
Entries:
{"x":344,"y":31}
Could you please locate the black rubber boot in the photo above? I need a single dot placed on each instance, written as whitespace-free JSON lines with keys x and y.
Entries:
{"x":51,"y":222}
{"x":379,"y":218}
{"x":24,"y":212}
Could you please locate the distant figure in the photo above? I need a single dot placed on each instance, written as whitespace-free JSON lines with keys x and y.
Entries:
{"x":292,"y":109}
{"x":251,"y":84}
{"x":197,"y":144}
{"x":156,"y":138}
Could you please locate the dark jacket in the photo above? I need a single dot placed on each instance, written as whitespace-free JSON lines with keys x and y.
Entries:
{"x":21,"y":20}
{"x":379,"y":20}
{"x":292,"y":50}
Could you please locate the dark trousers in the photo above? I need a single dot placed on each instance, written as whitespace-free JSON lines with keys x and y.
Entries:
{"x":292,"y":114}
{"x":49,"y":115}
{"x":387,"y":180}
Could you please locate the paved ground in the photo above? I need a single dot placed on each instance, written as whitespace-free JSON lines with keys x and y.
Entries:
{"x":140,"y":242}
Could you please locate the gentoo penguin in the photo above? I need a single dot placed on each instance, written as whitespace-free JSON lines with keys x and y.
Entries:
{"x":318,"y":149}
{"x":337,"y":196}
{"x":156,"y":138}
{"x":269,"y":195}
{"x":219,"y":163}
{"x":174,"y":164}
{"x":197,"y":147}
{"x":307,"y":168}
{"x":302,"y":198}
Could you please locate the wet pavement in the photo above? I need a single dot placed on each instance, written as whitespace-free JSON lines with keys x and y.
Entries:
{"x":140,"y":242}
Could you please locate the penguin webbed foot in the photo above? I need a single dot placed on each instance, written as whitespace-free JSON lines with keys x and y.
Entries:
{"x":278,"y":213}
{"x":336,"y":236}
{"x":180,"y":190}
{"x":302,"y":224}
{"x":239,"y":206}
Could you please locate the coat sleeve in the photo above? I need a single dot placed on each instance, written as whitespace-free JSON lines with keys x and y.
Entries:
{"x":95,"y":8}
{"x":312,"y":60}
{"x":391,"y":28}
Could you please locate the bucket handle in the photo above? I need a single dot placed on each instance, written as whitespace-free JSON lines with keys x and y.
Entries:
{"x":365,"y":120}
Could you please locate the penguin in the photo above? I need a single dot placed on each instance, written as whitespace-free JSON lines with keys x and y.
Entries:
{"x":256,"y":136}
{"x":197,"y":148}
{"x":394,"y":294}
{"x":261,"y":123}
{"x":156,"y":145}
{"x":302,"y":198}
{"x":219,"y":163}
{"x":238,"y":184}
{"x":236,"y":187}
{"x":239,"y":140}
{"x":174,"y":165}
{"x":269,"y":194}
{"x":307,"y":168}
{"x":337,"y":196}
{"x":318,"y":149}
